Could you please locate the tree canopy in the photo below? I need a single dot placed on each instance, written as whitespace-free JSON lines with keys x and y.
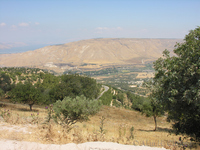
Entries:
{"x":70,"y":110}
{"x":5,"y":82}
{"x":75,"y":85}
{"x":26,"y":93}
{"x":177,"y":84}
{"x":154,"y":108}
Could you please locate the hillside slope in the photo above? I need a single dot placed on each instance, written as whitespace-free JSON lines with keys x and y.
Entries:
{"x":93,"y":53}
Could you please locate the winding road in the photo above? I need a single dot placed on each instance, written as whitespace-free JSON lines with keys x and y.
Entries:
{"x":106,"y":88}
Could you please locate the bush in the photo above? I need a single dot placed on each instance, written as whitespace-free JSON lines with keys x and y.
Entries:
{"x":70,"y":110}
{"x":107,"y":97}
{"x":120,"y":97}
{"x":116,"y":103}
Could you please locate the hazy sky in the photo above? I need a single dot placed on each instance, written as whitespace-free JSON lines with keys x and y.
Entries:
{"x":35,"y":22}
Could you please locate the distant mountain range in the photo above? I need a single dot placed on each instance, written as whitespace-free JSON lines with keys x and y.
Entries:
{"x":91,"y":54}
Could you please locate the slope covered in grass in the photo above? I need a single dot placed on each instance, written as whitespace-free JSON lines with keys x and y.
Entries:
{"x":24,"y":125}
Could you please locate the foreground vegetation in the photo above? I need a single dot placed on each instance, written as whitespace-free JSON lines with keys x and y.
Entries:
{"x":176,"y":85}
{"x":109,"y":124}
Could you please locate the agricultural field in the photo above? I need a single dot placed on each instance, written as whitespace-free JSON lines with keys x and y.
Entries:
{"x":127,"y":78}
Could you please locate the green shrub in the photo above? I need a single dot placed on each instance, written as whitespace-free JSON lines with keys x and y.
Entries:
{"x":120,"y":97}
{"x":70,"y":110}
{"x":1,"y":93}
{"x":106,"y":98}
{"x":116,"y":103}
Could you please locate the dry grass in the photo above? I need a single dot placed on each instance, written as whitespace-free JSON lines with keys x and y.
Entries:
{"x":21,"y":125}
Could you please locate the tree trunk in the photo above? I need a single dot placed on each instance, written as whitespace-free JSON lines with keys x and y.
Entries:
{"x":31,"y":105}
{"x":155,"y":122}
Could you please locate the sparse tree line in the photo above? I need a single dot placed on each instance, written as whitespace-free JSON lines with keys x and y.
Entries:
{"x":71,"y":97}
{"x":48,"y":88}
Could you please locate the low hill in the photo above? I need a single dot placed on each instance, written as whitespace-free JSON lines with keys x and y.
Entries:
{"x":90,"y":54}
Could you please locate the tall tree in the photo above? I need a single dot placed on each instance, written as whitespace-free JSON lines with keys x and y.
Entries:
{"x":177,"y":81}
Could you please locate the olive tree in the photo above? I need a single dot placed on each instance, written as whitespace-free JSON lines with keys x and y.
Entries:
{"x":177,"y":84}
{"x":70,"y":110}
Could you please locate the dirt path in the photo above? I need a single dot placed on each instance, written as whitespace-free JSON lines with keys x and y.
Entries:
{"x":22,"y":145}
